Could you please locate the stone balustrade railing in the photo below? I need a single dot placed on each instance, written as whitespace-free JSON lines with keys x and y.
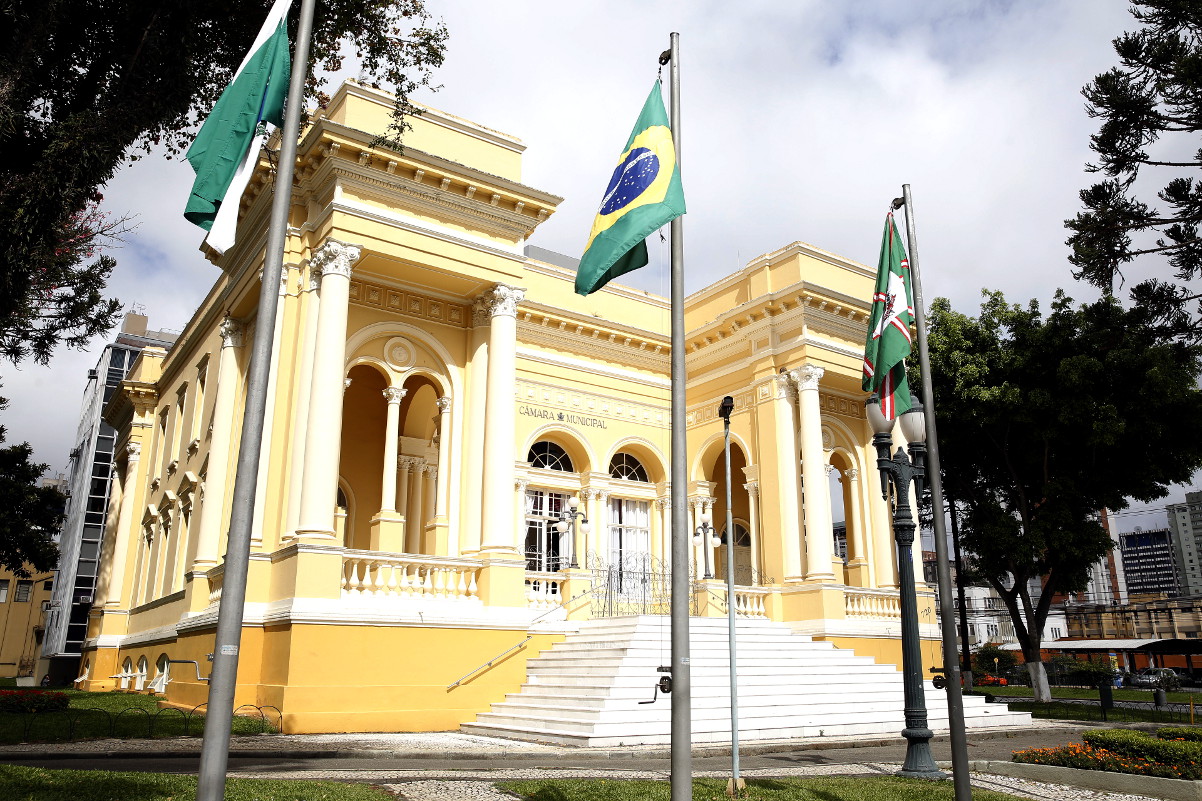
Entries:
{"x":374,"y":574}
{"x":749,"y":602}
{"x":861,"y":604}
{"x":544,"y":590}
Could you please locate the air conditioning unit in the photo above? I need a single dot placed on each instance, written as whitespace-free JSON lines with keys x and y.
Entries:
{"x":85,"y":599}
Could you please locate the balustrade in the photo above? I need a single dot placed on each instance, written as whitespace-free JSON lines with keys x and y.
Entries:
{"x":543,"y":590}
{"x":871,"y":604}
{"x":749,"y":602}
{"x":369,"y":574}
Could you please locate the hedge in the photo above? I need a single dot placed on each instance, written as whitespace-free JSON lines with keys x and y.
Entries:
{"x":1126,"y":751}
{"x":32,"y":701}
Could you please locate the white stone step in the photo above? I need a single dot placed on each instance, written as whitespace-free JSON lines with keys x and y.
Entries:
{"x":587,"y":689}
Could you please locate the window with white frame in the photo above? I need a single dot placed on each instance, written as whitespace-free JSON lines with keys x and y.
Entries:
{"x":140,"y":676}
{"x":127,"y":673}
{"x":543,"y":542}
{"x":24,"y":590}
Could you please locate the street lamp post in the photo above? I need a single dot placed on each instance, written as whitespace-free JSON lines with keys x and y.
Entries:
{"x":898,"y":472}
{"x":736,"y":784}
{"x":706,"y":530}
{"x":567,"y":523}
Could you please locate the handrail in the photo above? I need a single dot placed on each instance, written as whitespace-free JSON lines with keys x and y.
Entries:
{"x":529,"y":637}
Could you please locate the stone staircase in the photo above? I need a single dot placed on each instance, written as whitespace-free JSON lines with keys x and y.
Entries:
{"x":586,"y":690}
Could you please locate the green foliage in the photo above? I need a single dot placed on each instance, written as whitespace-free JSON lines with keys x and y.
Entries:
{"x":1120,"y":751}
{"x":32,"y":514}
{"x":1189,"y":733}
{"x":1151,"y":112}
{"x":1071,"y":670}
{"x":19,"y":783}
{"x":89,"y":83}
{"x":1043,"y":421}
{"x":826,"y":788}
{"x":982,"y":660}
{"x":32,"y":701}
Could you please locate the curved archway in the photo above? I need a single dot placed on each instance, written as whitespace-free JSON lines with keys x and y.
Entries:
{"x":645,"y":452}
{"x":578,"y":450}
{"x":745,"y":556}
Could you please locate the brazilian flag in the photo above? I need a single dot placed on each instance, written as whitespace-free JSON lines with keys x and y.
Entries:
{"x":644,"y":194}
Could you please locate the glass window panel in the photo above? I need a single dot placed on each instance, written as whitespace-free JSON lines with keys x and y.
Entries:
{"x":24,"y":589}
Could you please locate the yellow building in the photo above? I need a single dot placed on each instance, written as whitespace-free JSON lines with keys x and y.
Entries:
{"x":23,"y":602}
{"x":437,"y":398}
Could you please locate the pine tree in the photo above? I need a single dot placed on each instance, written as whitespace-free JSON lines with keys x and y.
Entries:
{"x":1151,"y":112}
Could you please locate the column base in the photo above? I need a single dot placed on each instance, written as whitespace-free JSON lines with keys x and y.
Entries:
{"x":322,"y":536}
{"x":387,"y":532}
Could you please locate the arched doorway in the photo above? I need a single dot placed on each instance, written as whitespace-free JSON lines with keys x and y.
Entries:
{"x":747,"y":573}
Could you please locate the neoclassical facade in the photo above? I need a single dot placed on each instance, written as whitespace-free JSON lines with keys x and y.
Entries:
{"x":440,"y":402}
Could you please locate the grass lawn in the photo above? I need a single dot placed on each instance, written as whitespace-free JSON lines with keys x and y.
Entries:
{"x":38,"y":784}
{"x":826,"y":788}
{"x":114,"y":714}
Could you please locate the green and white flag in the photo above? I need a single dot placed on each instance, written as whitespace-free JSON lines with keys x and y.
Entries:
{"x":644,"y":194}
{"x":226,"y":149}
{"x":892,"y":315}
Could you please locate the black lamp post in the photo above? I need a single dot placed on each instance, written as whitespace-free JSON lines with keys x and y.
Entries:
{"x":567,"y":523}
{"x":706,"y":530}
{"x":898,"y":472}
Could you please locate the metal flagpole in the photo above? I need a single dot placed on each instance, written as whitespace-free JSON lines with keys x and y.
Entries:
{"x":682,"y":691}
{"x":947,"y":618}
{"x":214,"y":754}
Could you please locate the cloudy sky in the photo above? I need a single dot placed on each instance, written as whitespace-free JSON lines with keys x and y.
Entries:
{"x":801,"y":120}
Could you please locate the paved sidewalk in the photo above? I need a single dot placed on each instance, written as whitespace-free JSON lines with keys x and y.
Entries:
{"x":449,"y":766}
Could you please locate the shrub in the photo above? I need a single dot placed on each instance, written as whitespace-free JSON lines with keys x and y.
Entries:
{"x":1123,"y":751}
{"x":32,"y":701}
{"x":1188,"y":733}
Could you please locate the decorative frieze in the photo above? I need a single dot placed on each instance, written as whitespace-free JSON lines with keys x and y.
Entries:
{"x":552,"y":398}
{"x":408,"y":303}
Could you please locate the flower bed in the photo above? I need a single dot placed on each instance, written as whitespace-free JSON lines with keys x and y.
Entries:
{"x":1127,"y":751}
{"x":32,"y":701}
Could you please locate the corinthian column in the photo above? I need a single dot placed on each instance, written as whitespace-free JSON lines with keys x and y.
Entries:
{"x":334,"y":260}
{"x":213,"y":512}
{"x":497,"y":498}
{"x":788,"y":491}
{"x":819,"y":527}
{"x":394,"y":396}
{"x":473,"y":417}
{"x":113,"y":589}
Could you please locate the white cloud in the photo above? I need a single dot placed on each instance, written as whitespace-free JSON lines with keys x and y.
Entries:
{"x":801,"y":121}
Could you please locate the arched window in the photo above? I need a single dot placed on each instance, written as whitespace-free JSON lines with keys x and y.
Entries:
{"x":140,"y":676}
{"x":127,"y":672}
{"x":549,"y":456}
{"x":162,"y":670}
{"x":623,"y":465}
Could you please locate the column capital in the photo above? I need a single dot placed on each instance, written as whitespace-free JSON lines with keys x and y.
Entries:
{"x":830,"y":468}
{"x":807,"y":376}
{"x":785,"y":386}
{"x":663,"y":503}
{"x":444,"y":404}
{"x":133,"y":451}
{"x":231,"y":332}
{"x":501,"y":301}
{"x":520,"y":485}
{"x":852,"y":474}
{"x":753,"y":488}
{"x":336,"y":258}
{"x":394,"y":394}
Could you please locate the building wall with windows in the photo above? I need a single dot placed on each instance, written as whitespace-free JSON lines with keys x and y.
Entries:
{"x":440,"y":398}
{"x":1149,"y":564}
{"x":89,"y":480}
{"x":23,"y":602}
{"x":1185,"y":523}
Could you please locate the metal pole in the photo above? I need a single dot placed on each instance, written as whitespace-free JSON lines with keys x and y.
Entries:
{"x":214,"y":753}
{"x":965,"y":643}
{"x":736,"y":783}
{"x":682,"y":690}
{"x":951,"y":662}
